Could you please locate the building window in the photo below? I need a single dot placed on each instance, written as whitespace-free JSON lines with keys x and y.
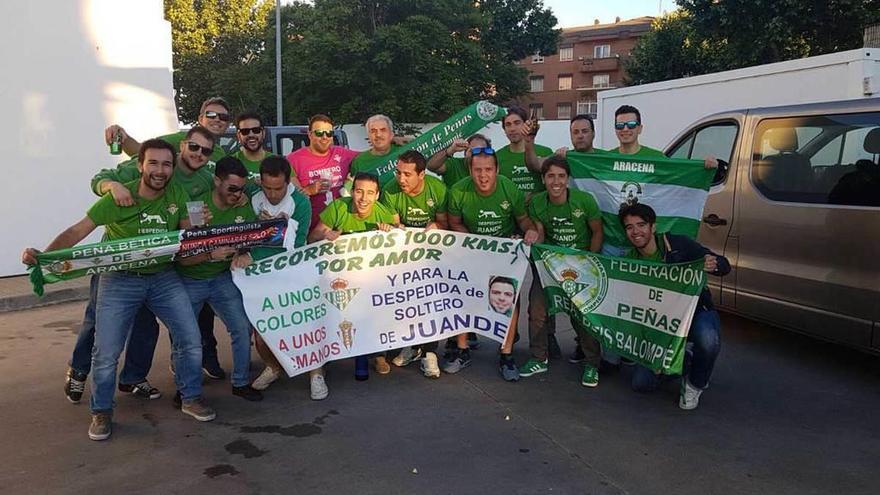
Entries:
{"x":564,"y":82}
{"x":601,"y":81}
{"x":566,"y":54}
{"x":537,"y":59}
{"x":601,"y":51}
{"x":537,"y":84}
{"x":536,"y":110}
{"x":588,"y":107}
{"x":563,"y":111}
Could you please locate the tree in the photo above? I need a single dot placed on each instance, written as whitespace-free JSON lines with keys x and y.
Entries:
{"x":217,"y":47}
{"x":709,"y":35}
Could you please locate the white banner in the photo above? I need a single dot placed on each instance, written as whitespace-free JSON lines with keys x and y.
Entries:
{"x":376,"y":291}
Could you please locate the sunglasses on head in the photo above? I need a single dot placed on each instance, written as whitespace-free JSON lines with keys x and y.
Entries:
{"x":630,"y":124}
{"x":482,"y":150}
{"x":323,"y":133}
{"x":217,"y":115}
{"x":196,"y":147}
{"x":250,"y":130}
{"x":234,"y":189}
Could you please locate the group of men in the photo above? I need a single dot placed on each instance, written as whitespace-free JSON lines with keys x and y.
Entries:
{"x":525,"y":186}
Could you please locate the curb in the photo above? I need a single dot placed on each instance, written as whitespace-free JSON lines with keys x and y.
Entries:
{"x":31,"y":301}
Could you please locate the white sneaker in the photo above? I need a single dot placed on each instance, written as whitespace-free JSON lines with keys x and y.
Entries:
{"x":429,"y":365}
{"x":266,"y":378}
{"x":690,"y":395}
{"x":319,"y":388}
{"x":407,"y":355}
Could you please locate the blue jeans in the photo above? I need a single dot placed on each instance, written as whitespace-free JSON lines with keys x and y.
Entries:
{"x":139,"y":351}
{"x":120,"y":297}
{"x":705,"y":336}
{"x":225,"y":299}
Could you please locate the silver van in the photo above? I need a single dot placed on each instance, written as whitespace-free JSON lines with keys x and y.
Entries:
{"x":797,"y":213}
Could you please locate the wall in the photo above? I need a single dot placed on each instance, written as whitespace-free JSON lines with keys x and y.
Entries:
{"x":70,"y":69}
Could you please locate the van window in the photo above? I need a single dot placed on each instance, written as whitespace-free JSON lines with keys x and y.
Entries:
{"x":828,"y":159}
{"x":716,"y":139}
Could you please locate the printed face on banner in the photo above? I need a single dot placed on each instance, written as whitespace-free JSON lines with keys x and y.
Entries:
{"x":502,"y":293}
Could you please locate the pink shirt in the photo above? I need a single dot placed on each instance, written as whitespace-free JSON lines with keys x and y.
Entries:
{"x":309,"y":167}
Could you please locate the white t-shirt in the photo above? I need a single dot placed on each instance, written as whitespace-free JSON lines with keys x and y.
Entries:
{"x":260,"y":203}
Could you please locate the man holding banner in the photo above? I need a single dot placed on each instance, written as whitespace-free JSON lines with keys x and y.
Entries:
{"x":489,"y":204}
{"x":569,"y":218}
{"x":380,"y":134}
{"x":161,"y":207}
{"x":419,"y":201}
{"x":639,"y":222}
{"x":358,"y":213}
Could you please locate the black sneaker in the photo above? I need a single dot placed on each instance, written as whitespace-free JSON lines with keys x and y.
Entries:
{"x":74,"y":385}
{"x":213,"y":370}
{"x":577,"y":357}
{"x":248,"y":393}
{"x":143,"y":390}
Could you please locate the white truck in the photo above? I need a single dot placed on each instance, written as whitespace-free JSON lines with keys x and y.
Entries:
{"x":668,"y":107}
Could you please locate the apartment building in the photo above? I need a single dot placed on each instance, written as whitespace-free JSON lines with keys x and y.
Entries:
{"x":589,"y":60}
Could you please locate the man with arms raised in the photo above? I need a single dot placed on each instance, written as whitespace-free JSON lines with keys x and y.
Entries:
{"x":639,"y":221}
{"x":569,"y":218}
{"x":512,"y":158}
{"x":161,"y":206}
{"x":359,"y":213}
{"x":489,"y":204}
{"x":419,"y":201}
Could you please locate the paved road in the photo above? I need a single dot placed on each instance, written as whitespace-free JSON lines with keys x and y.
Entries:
{"x":785,"y":414}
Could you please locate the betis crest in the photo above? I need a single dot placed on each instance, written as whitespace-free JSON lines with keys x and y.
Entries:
{"x":486,"y":110}
{"x":586,"y":286}
{"x":341,"y":294}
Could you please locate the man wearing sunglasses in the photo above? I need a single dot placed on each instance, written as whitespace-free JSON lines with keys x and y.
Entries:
{"x":207,"y":278}
{"x":321,"y":167}
{"x":250,"y":133}
{"x":214,"y":115}
{"x":488,"y":204}
{"x":451,"y":167}
{"x":627,"y":127}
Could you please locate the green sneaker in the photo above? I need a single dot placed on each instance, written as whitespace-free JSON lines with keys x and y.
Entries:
{"x":533,"y":367}
{"x":590,"y":378}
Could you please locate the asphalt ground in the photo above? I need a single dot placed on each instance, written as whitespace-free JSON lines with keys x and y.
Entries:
{"x":784,"y":414}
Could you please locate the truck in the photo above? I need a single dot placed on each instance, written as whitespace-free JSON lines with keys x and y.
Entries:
{"x":669,"y":106}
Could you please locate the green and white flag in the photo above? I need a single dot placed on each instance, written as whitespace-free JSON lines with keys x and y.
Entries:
{"x":638,"y":309}
{"x":467,"y":121}
{"x":675,"y":189}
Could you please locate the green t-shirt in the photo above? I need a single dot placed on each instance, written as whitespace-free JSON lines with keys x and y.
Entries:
{"x":419,"y":210}
{"x":495,"y":214}
{"x":367,"y":162}
{"x":252,"y":166}
{"x":236,"y":214}
{"x":513,"y":166}
{"x":175,"y":139}
{"x":644,"y":152}
{"x":566,"y":224}
{"x":339,"y":215}
{"x":633,"y":253}
{"x":146,"y":216}
{"x":455,"y":170}
{"x":195,"y":183}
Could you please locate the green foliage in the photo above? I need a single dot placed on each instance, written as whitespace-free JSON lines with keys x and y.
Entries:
{"x":709,"y":35}
{"x":414,"y":60}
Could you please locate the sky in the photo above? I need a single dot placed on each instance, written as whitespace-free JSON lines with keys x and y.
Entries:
{"x":571,"y":13}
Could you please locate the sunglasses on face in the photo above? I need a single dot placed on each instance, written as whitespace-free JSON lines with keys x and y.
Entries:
{"x":323,"y":133}
{"x":630,"y":124}
{"x":196,"y":147}
{"x":234,"y":189}
{"x":482,"y":150}
{"x":250,"y":130}
{"x":217,"y":115}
